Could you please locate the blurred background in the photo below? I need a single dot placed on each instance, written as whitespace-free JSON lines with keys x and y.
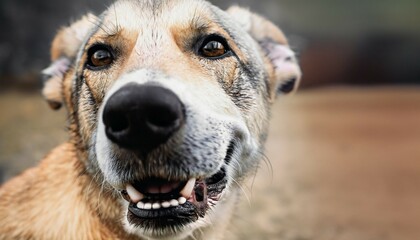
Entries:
{"x":356,"y":42}
{"x":343,"y":153}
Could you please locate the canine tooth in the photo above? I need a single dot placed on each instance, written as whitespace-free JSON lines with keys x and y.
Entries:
{"x":165,"y":204}
{"x":187,"y":190}
{"x":140,"y":205}
{"x":174,"y":202}
{"x":147,"y":206}
{"x":135,"y":195}
{"x":156,"y":205}
{"x":182,"y":200}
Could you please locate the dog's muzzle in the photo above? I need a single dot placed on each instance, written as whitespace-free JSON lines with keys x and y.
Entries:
{"x":140,"y":119}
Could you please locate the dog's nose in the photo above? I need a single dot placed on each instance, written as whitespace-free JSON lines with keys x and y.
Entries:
{"x":142,"y":117}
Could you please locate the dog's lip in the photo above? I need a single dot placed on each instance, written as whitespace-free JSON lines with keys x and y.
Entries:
{"x":164,"y":218}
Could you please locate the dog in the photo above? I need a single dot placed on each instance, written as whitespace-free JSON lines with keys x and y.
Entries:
{"x":168,"y":104}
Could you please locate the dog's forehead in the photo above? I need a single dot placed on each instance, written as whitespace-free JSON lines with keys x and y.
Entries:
{"x":138,"y":15}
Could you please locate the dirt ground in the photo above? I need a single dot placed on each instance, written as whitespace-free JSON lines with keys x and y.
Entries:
{"x":343,"y":163}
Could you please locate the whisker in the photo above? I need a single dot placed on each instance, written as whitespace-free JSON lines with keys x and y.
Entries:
{"x":242,"y":190}
{"x":117,"y":25}
{"x":269,"y":165}
{"x":253,"y":181}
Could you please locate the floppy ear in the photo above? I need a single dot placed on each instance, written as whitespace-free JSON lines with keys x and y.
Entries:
{"x":280,"y":61}
{"x":63,"y":52}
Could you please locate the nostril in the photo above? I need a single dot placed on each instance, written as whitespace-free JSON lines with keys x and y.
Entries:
{"x":162,"y":119}
{"x":119,"y":123}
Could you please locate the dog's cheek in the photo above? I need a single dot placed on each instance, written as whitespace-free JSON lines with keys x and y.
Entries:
{"x":91,"y":93}
{"x":245,"y":90}
{"x":249,"y":93}
{"x":87,"y":115}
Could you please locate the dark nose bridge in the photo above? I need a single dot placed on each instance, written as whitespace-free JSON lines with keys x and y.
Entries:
{"x":142,"y":117}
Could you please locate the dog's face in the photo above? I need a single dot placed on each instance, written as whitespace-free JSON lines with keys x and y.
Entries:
{"x":169,"y":102}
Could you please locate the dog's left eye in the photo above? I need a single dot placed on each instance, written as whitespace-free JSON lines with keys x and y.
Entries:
{"x":99,"y":57}
{"x":214,"y":47}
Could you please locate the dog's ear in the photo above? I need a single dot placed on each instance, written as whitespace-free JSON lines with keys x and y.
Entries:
{"x":280,"y":61}
{"x":64,"y":49}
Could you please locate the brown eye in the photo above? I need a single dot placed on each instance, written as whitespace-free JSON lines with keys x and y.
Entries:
{"x":214,"y":47}
{"x":99,"y":57}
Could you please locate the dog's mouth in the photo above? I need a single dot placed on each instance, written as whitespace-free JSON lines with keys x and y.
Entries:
{"x":159,"y":203}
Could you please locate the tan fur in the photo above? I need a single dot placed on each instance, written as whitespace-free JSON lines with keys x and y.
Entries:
{"x":229,"y":70}
{"x":68,"y":39}
{"x":37,"y":203}
{"x":52,"y":91}
{"x":260,"y":28}
{"x":65,"y":46}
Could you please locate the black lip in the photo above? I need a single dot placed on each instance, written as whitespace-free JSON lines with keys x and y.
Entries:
{"x":216,"y":184}
{"x":163,"y":218}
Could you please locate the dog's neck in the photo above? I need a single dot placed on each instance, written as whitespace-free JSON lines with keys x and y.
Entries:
{"x":100,"y":200}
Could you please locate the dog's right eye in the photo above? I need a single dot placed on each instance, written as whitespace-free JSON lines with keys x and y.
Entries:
{"x":99,"y":57}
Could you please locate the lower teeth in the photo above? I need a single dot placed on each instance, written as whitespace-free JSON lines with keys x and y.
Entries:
{"x":158,"y":205}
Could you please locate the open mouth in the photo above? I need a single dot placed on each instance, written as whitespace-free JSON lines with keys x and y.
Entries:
{"x":161,"y":203}
{"x":156,"y":203}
